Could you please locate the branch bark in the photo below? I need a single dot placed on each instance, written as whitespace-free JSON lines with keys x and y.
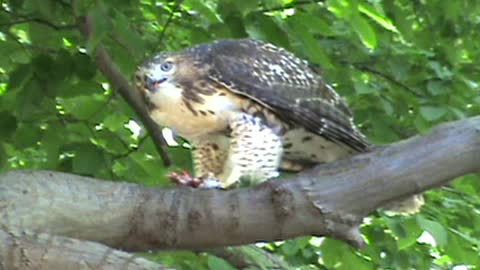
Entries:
{"x":24,"y":249}
{"x":330,"y":199}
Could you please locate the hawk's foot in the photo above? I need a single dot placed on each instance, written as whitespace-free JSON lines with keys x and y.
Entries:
{"x":183,"y":178}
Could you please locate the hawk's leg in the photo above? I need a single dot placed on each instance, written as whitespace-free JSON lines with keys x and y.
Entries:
{"x":254,"y":152}
{"x":209,"y":155}
{"x":183,"y":178}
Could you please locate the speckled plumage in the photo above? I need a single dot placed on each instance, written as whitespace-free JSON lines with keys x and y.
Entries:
{"x":242,"y":102}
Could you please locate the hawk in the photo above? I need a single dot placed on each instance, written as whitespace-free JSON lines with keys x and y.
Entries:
{"x":249,"y":109}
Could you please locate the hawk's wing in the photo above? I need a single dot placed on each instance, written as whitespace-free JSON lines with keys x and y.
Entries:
{"x":284,"y":83}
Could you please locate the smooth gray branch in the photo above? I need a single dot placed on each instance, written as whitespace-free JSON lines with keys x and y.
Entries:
{"x":329,"y":200}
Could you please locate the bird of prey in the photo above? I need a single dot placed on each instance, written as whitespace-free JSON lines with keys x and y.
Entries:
{"x":248,"y":108}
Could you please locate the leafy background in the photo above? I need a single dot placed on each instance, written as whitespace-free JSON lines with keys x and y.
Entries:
{"x":403,"y":65}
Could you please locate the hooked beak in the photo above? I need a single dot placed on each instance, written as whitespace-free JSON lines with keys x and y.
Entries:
{"x":148,"y":82}
{"x":152,"y":84}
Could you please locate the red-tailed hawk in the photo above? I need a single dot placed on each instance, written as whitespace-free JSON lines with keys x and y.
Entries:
{"x":249,"y":108}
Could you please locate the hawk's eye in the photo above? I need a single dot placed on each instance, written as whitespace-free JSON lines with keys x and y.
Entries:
{"x":166,"y":66}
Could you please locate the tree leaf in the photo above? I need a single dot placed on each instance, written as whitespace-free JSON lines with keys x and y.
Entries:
{"x":206,"y":9}
{"x":332,"y":251}
{"x":380,"y":19}
{"x":215,"y":263}
{"x":264,"y":28}
{"x":8,"y":124}
{"x":43,"y":36}
{"x":88,"y":159}
{"x":310,"y":46}
{"x":26,"y":136}
{"x":101,"y":26}
{"x":341,"y":8}
{"x":406,"y":229}
{"x":431,"y":113}
{"x":435,"y":229}
{"x":115,"y":121}
{"x":3,"y":158}
{"x":364,"y":31}
{"x":84,"y":107}
{"x":51,"y":142}
{"x":19,"y":77}
{"x":84,"y":67}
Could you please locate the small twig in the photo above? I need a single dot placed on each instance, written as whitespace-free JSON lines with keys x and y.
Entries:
{"x":463,"y":195}
{"x":40,"y":21}
{"x":64,"y":119}
{"x":27,"y":47}
{"x":30,"y":18}
{"x":101,"y":108}
{"x":121,"y":43}
{"x":141,"y":141}
{"x":386,"y":77}
{"x":175,"y":8}
{"x":15,"y":39}
{"x":291,"y":5}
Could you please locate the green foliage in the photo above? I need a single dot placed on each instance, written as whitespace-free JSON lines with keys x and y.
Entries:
{"x":404,"y":66}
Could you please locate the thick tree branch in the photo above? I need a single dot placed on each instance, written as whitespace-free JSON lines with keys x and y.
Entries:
{"x":329,"y":200}
{"x":24,"y":249}
{"x":119,"y":82}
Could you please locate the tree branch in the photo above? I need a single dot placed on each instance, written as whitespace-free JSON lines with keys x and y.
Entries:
{"x":119,"y":82}
{"x":330,"y":199}
{"x":24,"y":249}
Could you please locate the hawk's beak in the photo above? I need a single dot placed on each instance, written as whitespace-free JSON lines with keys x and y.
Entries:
{"x":152,"y":84}
{"x":148,"y":82}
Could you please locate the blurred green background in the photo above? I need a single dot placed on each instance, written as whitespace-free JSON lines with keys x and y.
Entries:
{"x":403,"y":65}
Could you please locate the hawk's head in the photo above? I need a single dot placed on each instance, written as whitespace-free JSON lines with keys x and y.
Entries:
{"x":166,"y":76}
{"x":156,"y":73}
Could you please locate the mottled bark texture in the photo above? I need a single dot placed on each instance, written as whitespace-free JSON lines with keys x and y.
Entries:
{"x":329,"y":200}
{"x":23,"y":249}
